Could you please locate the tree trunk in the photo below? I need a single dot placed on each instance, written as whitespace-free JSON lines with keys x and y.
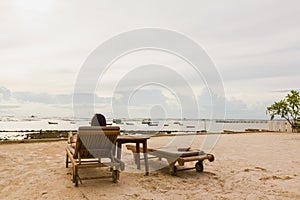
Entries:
{"x":295,"y":128}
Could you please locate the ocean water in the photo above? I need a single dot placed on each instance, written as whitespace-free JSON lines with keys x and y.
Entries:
{"x":16,"y":128}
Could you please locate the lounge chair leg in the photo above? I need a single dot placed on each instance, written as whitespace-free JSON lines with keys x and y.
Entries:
{"x":75,"y":174}
{"x":67,"y":161}
{"x":172,"y":168}
{"x":76,"y":181}
{"x":77,"y":178}
{"x":122,"y":166}
{"x":115,"y":175}
{"x":73,"y":177}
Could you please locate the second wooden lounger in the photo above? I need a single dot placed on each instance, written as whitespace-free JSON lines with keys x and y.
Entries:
{"x":178,"y":155}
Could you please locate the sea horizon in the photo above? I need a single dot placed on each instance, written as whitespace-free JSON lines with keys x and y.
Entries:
{"x":12,"y":127}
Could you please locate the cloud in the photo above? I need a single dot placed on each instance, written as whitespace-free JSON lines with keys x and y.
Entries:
{"x":29,"y":103}
{"x":43,"y":98}
{"x":285,"y":91}
{"x":150,"y":101}
{"x":8,"y":107}
{"x":4,"y":93}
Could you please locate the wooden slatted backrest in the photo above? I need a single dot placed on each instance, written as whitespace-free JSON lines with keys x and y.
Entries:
{"x":96,"y":141}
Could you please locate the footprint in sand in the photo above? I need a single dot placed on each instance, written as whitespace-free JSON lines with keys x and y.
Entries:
{"x":256,"y":168}
{"x":274,"y":177}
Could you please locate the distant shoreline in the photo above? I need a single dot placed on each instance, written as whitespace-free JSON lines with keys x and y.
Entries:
{"x":58,"y":135}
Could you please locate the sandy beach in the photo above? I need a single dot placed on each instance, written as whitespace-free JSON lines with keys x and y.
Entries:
{"x":247,"y":166}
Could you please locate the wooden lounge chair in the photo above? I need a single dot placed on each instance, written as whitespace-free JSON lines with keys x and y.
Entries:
{"x":94,"y":143}
{"x":177,"y":155}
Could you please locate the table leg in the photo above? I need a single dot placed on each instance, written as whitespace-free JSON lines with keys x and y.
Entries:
{"x":119,"y":148}
{"x":138,"y":155}
{"x":146,"y":158}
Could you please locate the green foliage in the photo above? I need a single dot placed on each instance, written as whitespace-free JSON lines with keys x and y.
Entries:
{"x":288,"y":108}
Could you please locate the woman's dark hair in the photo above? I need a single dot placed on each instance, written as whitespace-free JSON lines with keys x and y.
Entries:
{"x":98,"y":120}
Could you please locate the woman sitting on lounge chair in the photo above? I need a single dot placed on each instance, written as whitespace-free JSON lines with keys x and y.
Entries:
{"x":98,"y":120}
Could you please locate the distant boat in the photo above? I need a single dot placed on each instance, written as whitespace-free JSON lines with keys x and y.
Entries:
{"x":117,"y":121}
{"x":180,"y":124}
{"x":153,"y":124}
{"x":52,"y":122}
{"x":146,"y":121}
{"x":190,"y":126}
{"x":129,"y":123}
{"x":9,"y":119}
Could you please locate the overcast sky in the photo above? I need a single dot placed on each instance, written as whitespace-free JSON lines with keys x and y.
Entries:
{"x":254,"y":45}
